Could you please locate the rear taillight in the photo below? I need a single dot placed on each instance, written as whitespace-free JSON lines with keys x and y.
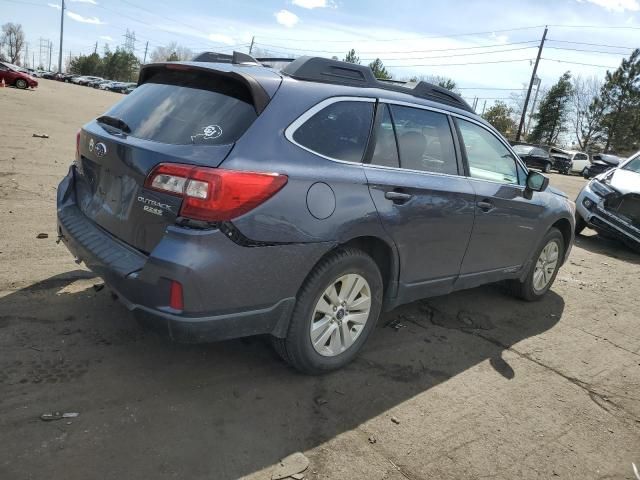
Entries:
{"x":175,"y":296}
{"x":214,"y":194}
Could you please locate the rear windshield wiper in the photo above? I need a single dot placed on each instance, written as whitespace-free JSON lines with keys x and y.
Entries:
{"x":114,"y":122}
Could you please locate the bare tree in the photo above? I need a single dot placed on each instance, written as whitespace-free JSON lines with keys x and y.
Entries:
{"x":171,"y":51}
{"x":13,"y":40}
{"x":587,"y":110}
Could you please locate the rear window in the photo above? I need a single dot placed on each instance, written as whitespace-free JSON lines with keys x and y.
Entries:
{"x":184,"y":108}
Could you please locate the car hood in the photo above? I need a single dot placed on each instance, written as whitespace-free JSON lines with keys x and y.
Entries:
{"x":624,"y":181}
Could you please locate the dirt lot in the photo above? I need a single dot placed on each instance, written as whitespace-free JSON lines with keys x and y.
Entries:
{"x":473,"y":385}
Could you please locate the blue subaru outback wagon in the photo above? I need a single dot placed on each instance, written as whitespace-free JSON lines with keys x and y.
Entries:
{"x":223,"y":198}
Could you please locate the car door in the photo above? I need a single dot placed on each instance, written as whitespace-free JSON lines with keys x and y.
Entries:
{"x":580,"y":161}
{"x":504,"y":230}
{"x":423,"y":200}
{"x":5,"y":74}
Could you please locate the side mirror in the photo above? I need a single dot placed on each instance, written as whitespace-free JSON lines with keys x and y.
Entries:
{"x":536,"y":182}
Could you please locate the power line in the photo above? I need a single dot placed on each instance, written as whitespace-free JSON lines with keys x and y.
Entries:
{"x":592,"y":44}
{"x":577,"y":63}
{"x":454,"y":35}
{"x":586,"y":51}
{"x":489,"y":88}
{"x":423,"y":50}
{"x":461,"y":64}
{"x":455,"y":54}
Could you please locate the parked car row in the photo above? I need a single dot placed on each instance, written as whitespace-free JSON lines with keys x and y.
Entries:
{"x":103,"y":84}
{"x":565,"y":161}
{"x":90,"y":81}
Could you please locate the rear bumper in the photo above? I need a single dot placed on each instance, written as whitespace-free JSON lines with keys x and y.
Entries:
{"x":229,"y":290}
{"x":591,"y":208}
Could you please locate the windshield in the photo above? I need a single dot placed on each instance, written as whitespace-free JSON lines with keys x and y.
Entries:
{"x":633,"y":165}
{"x":522,"y":149}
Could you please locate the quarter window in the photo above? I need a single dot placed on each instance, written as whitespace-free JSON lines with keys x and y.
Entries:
{"x":488,"y":158}
{"x":338,"y":131}
{"x":424,"y":140}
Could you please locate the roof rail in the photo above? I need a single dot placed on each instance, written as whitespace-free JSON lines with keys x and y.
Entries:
{"x":325,"y":70}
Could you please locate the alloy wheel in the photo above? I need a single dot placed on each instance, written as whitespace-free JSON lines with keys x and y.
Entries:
{"x":340,"y":315}
{"x":545,"y":265}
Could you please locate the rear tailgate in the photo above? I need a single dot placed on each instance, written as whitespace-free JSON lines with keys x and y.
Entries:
{"x":178,"y":114}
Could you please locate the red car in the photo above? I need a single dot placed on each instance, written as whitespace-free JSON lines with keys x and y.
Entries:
{"x":12,"y":75}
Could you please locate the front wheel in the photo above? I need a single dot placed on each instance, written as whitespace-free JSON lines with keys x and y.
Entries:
{"x":544,"y":268}
{"x":336,"y":310}
{"x":581,"y":224}
{"x":585,"y":173}
{"x":21,"y":84}
{"x":546,"y":168}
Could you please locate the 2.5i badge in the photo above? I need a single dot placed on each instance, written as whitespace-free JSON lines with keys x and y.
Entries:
{"x":152,"y":206}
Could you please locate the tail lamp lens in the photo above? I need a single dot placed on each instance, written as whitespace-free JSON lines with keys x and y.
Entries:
{"x":175,"y":296}
{"x":214,"y":194}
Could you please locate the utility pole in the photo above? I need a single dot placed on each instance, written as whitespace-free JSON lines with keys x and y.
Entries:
{"x":50,"y":48}
{"x":251,"y":46}
{"x":95,"y":49}
{"x":61,"y":35}
{"x":533,"y":76}
{"x":533,"y":105}
{"x":484,"y":105}
{"x":146,"y":47}
{"x":26,"y":55}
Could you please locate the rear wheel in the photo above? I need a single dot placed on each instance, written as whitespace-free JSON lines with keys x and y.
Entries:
{"x":543,"y":269}
{"x":336,"y":310}
{"x":21,"y":84}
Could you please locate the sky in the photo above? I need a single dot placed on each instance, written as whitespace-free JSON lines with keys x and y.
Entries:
{"x":487,"y":47}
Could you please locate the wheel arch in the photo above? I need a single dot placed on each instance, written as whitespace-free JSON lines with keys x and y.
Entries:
{"x":566,"y":229}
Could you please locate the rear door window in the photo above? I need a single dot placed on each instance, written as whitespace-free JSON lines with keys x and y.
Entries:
{"x":386,"y":151}
{"x":339,"y":131}
{"x":425,"y":141}
{"x":184,"y":108}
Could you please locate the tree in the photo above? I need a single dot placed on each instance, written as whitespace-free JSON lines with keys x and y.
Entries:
{"x":86,"y":65}
{"x":351,"y":57}
{"x":552,"y":113}
{"x":120,"y":65}
{"x":379,"y":71}
{"x":588,"y":111}
{"x":620,"y":96}
{"x":500,"y":116}
{"x":13,"y":40}
{"x":444,"y":82}
{"x":171,"y":53}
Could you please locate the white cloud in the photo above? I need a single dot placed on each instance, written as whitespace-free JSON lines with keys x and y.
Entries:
{"x":54,"y":5}
{"x":311,"y":3}
{"x":106,"y":37}
{"x":286,"y":18}
{"x":220,"y":38}
{"x":92,"y":2}
{"x":616,"y":5}
{"x":79,"y":18}
{"x":502,"y":38}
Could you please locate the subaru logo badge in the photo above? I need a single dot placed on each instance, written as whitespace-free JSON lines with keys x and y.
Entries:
{"x":101,"y":149}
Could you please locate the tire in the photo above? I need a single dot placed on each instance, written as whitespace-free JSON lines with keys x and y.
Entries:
{"x":585,"y":173}
{"x":581,"y":224}
{"x":297,"y":347}
{"x":21,"y":84}
{"x":546,"y":168}
{"x":526,"y":290}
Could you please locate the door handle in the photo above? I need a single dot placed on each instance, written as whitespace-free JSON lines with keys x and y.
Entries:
{"x":485,"y":206}
{"x":398,"y":197}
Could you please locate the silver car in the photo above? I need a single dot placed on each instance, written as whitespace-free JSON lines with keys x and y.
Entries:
{"x":610,"y":203}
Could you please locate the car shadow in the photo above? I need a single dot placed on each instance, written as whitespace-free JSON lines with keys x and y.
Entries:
{"x":601,"y":244}
{"x":150,"y":408}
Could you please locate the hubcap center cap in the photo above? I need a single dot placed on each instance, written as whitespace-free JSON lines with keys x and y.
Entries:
{"x":340,"y":314}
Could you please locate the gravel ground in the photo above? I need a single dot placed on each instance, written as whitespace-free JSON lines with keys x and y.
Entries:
{"x":472,"y":385}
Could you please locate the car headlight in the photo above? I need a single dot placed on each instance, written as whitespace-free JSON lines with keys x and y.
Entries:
{"x":600,"y":188}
